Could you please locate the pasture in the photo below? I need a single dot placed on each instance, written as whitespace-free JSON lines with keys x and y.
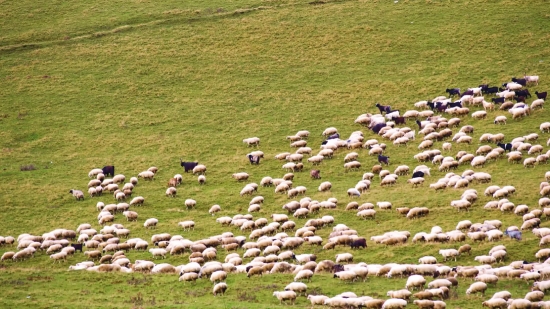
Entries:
{"x":139,"y":84}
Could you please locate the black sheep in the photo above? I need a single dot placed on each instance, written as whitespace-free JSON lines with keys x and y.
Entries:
{"x":109,"y":170}
{"x":506,"y":147}
{"x":383,"y":160}
{"x":188,"y":166}
{"x":383,"y":108}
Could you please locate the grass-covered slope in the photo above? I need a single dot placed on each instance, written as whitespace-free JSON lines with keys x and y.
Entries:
{"x":139,"y":84}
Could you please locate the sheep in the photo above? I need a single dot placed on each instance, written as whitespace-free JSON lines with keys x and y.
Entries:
{"x":147,"y":175}
{"x":495,"y":303}
{"x":187,"y":225}
{"x":487,"y":278}
{"x":352,"y":165}
{"x":78,"y":195}
{"x":137,"y":201}
{"x":477,"y":287}
{"x":344,"y":257}
{"x":297,"y":287}
{"x":219,"y":288}
{"x":130,"y":215}
{"x":346,"y":276}
{"x":317,"y":299}
{"x":479,"y":115}
{"x":449,"y":253}
{"x":415,"y":281}
{"x":529,"y":162}
{"x":325,"y":186}
{"x":190,"y":203}
{"x":285,"y":296}
{"x":403,"y":294}
{"x":394,"y":304}
{"x":500,"y":120}
{"x":520,"y":304}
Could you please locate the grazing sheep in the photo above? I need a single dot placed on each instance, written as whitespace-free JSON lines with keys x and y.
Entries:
{"x":187,"y":225}
{"x":221,"y":287}
{"x":151,"y":223}
{"x":317,"y":299}
{"x":77,"y":194}
{"x":477,"y":287}
{"x":346,"y":276}
{"x":285,"y":296}
{"x":394,"y":303}
{"x":325,"y":186}
{"x":500,"y":120}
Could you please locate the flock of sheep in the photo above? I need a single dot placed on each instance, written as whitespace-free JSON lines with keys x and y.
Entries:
{"x":269,"y":246}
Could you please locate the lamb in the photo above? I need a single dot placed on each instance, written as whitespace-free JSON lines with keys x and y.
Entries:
{"x":285,"y":296}
{"x":171,"y":192}
{"x":477,"y":287}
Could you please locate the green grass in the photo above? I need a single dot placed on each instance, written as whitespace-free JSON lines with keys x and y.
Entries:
{"x":142,"y":84}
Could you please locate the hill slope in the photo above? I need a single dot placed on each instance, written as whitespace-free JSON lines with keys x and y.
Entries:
{"x":142,"y":84}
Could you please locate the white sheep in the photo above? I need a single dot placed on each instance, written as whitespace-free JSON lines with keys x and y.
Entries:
{"x":147,"y":175}
{"x":346,"y":276}
{"x":352,"y":165}
{"x":500,"y":120}
{"x":325,"y":186}
{"x":190,"y":203}
{"x":285,"y":296}
{"x":477,"y":287}
{"x":415,"y":282}
{"x":171,"y":192}
{"x":297,"y":287}
{"x":252,"y":141}
{"x":449,"y":253}
{"x":187,"y":225}
{"x":398,"y":300}
{"x":219,"y":288}
{"x":317,"y":299}
{"x":344,"y":257}
{"x":150,"y":223}
{"x":158,"y":252}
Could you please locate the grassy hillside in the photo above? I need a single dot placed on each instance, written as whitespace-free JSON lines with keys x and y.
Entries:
{"x":139,"y":84}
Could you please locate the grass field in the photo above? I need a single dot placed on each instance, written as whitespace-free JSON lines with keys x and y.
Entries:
{"x":140,"y":83}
